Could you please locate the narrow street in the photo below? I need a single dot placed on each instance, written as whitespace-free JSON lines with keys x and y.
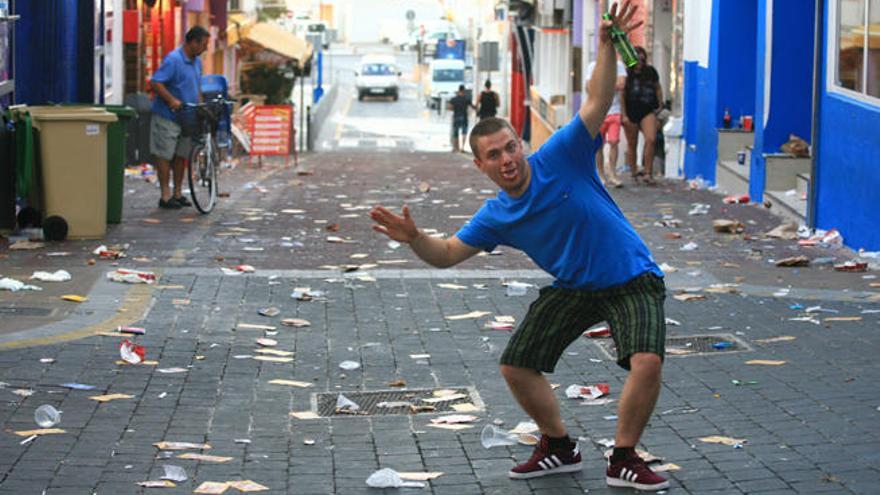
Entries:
{"x":807,"y":422}
{"x":378,"y":123}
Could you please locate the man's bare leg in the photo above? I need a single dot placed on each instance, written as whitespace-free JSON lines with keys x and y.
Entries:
{"x":611,"y":165}
{"x":164,"y":173}
{"x":638,"y":398}
{"x":179,"y":168}
{"x":600,"y":165}
{"x":649,"y":130}
{"x":533,"y":393}
{"x":632,"y":140}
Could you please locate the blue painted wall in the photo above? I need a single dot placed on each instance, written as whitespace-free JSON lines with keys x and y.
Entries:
{"x":728,"y":82}
{"x":848,"y":177}
{"x":736,"y":58}
{"x":791,"y":82}
{"x":54,"y":51}
{"x":701,"y":138}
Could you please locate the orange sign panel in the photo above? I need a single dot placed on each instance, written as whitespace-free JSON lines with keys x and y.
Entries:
{"x":271,"y":129}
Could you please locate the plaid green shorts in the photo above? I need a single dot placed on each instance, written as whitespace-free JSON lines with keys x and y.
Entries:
{"x":634,"y":312}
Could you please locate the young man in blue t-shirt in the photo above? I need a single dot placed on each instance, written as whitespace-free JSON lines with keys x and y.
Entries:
{"x":554,"y":208}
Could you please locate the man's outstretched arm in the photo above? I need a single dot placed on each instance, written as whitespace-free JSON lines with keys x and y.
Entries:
{"x":601,"y":85}
{"x":441,"y":253}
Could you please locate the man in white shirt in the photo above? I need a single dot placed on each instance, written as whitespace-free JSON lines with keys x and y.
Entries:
{"x":610,"y":129}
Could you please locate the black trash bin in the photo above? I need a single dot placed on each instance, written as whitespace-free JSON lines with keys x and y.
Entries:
{"x":138,"y":143}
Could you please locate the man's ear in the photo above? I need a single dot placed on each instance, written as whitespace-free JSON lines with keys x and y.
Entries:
{"x":478,"y":163}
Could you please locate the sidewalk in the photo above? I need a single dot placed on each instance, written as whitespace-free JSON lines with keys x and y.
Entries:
{"x":808,"y":425}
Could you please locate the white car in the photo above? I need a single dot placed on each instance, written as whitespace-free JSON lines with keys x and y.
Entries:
{"x":378,"y":75}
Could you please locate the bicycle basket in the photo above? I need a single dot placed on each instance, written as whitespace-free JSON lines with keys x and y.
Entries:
{"x":188,"y":119}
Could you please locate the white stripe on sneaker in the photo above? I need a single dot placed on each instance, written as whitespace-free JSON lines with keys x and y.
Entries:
{"x":556,"y":460}
{"x":544,"y":464}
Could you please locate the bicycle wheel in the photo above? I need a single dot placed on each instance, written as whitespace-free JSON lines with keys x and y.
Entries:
{"x":202,"y":172}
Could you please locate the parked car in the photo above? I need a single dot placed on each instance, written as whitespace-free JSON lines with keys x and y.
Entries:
{"x":444,"y":78}
{"x":378,"y":75}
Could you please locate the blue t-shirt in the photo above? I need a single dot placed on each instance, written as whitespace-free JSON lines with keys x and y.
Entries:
{"x":181,"y":76}
{"x":565,"y":221}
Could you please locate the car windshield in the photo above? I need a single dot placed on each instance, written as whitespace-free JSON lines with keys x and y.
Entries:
{"x":377,"y":70}
{"x":447,"y":75}
{"x":316,"y":28}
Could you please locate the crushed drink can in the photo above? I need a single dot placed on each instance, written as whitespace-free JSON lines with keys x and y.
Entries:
{"x":131,"y":353}
{"x":587,"y":391}
{"x":598,"y":333}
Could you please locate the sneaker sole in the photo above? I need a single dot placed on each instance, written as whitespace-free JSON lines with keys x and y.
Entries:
{"x":565,"y":468}
{"x":638,"y":486}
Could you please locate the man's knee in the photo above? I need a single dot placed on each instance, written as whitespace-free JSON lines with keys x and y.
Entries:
{"x":514,"y":373}
{"x":646,"y":362}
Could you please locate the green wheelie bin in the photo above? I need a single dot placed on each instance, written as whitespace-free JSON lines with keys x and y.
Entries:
{"x":116,"y":140}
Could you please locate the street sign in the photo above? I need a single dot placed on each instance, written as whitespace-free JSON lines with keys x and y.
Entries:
{"x":270,"y":130}
{"x":488,"y":61}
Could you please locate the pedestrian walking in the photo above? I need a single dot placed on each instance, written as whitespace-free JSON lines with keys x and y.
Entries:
{"x":488,"y":102}
{"x":553,"y":207}
{"x":641,"y":104}
{"x":459,"y":105}
{"x":175,"y":83}
{"x":610,"y":129}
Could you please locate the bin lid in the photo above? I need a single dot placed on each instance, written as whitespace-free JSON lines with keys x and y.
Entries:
{"x":88,"y":114}
{"x":120,"y":110}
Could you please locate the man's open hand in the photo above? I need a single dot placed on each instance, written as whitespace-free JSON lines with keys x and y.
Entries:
{"x":402,"y":229}
{"x":622,"y":18}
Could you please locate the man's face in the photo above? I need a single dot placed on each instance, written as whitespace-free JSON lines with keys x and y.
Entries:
{"x":501,"y":159}
{"x":198,"y":47}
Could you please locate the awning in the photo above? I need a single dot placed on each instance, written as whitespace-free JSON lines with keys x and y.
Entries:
{"x":277,"y":39}
{"x":236,"y":26}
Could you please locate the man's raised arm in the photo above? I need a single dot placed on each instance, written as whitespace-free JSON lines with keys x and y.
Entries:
{"x":601,"y":85}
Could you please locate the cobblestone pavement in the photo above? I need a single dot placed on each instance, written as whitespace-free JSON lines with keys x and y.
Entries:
{"x":808,"y":425}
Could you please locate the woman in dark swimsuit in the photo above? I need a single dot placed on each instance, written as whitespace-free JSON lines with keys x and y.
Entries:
{"x":641,"y":101}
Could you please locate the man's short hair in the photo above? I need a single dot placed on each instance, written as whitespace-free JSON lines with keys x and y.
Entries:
{"x":197,"y":33}
{"x":488,"y":84}
{"x":461,"y":87}
{"x":486,"y":127}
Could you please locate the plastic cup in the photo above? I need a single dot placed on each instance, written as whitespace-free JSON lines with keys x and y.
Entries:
{"x":47,"y":416}
{"x":747,"y":123}
{"x":492,"y":436}
{"x":741,"y":157}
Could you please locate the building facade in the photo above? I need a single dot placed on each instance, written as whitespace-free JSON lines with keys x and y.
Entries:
{"x":782,"y":69}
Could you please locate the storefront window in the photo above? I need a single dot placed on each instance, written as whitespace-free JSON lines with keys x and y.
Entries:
{"x":858,"y":46}
{"x":850,"y":44}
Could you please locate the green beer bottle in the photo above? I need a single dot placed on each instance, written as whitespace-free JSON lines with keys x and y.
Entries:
{"x":622,"y":44}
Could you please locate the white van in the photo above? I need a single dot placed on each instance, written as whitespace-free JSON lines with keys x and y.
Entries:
{"x":378,"y":75}
{"x":444,"y":78}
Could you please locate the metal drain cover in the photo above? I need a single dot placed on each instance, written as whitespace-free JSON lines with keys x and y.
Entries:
{"x":396,"y":402}
{"x":690,"y":345}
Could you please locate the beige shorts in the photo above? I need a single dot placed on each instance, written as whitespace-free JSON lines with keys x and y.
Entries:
{"x":166,"y":141}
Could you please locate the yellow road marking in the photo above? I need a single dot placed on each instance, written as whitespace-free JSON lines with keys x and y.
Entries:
{"x":135,"y":302}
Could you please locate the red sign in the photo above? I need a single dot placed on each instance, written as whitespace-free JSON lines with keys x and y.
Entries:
{"x":270,"y":129}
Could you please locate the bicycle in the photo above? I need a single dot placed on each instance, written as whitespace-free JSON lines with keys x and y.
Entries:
{"x":200,"y":121}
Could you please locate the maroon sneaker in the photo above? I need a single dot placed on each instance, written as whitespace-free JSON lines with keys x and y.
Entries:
{"x":545,"y":461}
{"x":632,"y":472}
